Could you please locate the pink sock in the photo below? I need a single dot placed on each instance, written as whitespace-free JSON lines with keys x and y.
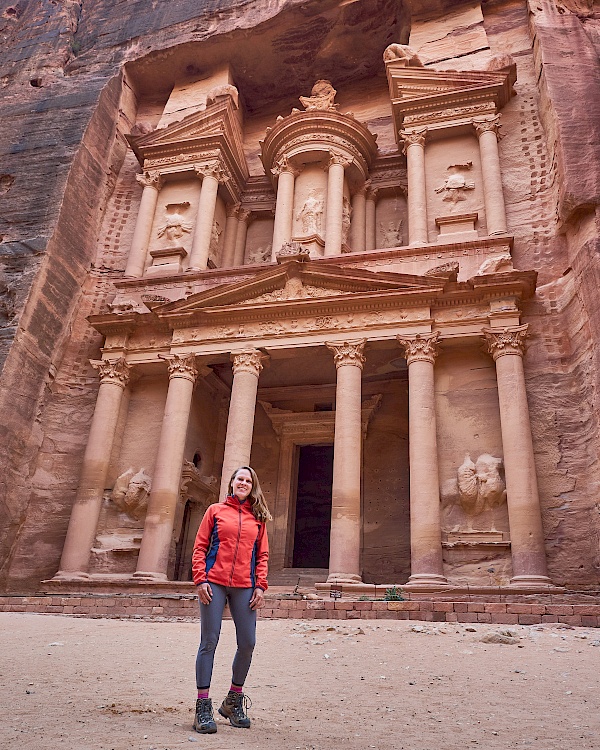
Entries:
{"x":202,"y":694}
{"x":236,"y":688}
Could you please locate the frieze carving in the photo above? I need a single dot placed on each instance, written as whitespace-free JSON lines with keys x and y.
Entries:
{"x":150,"y":179}
{"x":130,"y":493}
{"x":506,"y":341}
{"x":422,"y":347}
{"x":116,"y":371}
{"x":451,"y":113}
{"x":456,"y":185}
{"x":336,"y":140}
{"x":486,"y":125}
{"x":321,"y":97}
{"x":446,"y":269}
{"x":250,"y":360}
{"x":348,"y":352}
{"x":402,"y":53}
{"x":180,"y":158}
{"x":295,"y":289}
{"x":414,"y":137}
{"x":181,"y":366}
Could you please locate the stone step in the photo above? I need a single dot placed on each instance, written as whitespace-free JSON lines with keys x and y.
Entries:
{"x":303,"y":577}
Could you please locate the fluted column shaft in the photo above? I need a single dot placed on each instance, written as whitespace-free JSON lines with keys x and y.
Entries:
{"x":495,"y":210}
{"x":414,"y":148}
{"x":240,"y":240}
{"x":81,"y":532}
{"x":335,"y":205}
{"x":242,"y":406}
{"x":345,"y":539}
{"x":231,"y":230}
{"x":153,"y":559}
{"x":358,"y":227}
{"x":524,"y":516}
{"x":136,"y":261}
{"x":284,"y":207}
{"x":425,"y":523}
{"x":371,"y":219}
{"x":211,"y":176}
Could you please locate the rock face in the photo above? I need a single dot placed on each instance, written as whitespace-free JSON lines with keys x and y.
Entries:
{"x":77,"y":78}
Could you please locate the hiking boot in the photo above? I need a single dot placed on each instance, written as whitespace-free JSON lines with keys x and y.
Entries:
{"x":204,"y":721}
{"x":234,"y":707}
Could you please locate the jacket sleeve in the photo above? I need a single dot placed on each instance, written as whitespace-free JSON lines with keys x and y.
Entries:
{"x":201,"y":547}
{"x":262,"y":559}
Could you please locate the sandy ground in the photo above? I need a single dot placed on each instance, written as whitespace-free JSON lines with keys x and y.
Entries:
{"x":77,"y":683}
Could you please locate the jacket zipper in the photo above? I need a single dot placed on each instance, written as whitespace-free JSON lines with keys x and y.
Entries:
{"x":237,"y":544}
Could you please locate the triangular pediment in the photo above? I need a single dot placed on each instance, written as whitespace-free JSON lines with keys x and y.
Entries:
{"x":294,"y":283}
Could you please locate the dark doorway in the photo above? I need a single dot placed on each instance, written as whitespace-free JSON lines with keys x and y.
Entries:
{"x":313,"y":507}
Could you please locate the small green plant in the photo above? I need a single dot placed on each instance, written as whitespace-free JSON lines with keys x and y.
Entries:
{"x":75,"y":47}
{"x":394,"y":594}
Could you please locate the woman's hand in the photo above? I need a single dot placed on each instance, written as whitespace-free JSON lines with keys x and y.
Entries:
{"x":258,"y":599}
{"x":205,"y":593}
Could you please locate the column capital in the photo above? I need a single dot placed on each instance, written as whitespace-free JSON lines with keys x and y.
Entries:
{"x":490,"y":123}
{"x":372,"y":193}
{"x":214,"y":169}
{"x":348,"y":352}
{"x":116,"y":371}
{"x":181,"y":366}
{"x":414,"y":137}
{"x":422,"y":347}
{"x":336,"y":158}
{"x":250,"y":360}
{"x":232,"y":210}
{"x":244,"y":214}
{"x":151,"y":180}
{"x":285,"y":165}
{"x":363,"y":189}
{"x":506,"y":341}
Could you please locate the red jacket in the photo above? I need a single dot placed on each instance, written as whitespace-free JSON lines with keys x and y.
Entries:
{"x":231,"y":547}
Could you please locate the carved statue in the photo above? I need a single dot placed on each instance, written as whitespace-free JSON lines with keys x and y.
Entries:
{"x":213,"y":252}
{"x":311,"y":214}
{"x":175,"y":225}
{"x":496,"y":264}
{"x":480,"y":486}
{"x":259,"y":255}
{"x":346,"y":214}
{"x":392,"y":234}
{"x":321,"y":97}
{"x":402,"y":53}
{"x":456,"y":184}
{"x":130,"y":493}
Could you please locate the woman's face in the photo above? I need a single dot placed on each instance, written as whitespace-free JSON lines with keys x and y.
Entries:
{"x":242,"y":484}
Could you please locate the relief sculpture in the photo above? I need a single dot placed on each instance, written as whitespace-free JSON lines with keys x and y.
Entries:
{"x":175,"y":225}
{"x":478,"y":490}
{"x":130,"y":493}
{"x":310,"y":215}
{"x":456,"y":184}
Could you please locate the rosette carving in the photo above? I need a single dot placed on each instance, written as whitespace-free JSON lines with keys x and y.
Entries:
{"x":116,"y":371}
{"x":348,"y":352}
{"x":506,"y":341}
{"x":422,"y":347}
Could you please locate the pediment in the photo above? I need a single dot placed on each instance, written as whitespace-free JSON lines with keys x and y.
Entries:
{"x":297,"y":283}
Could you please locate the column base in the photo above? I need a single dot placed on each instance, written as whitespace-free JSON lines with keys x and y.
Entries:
{"x":141,"y":575}
{"x":532,"y":580}
{"x":71,"y":575}
{"x":344,"y":578}
{"x":428,"y":579}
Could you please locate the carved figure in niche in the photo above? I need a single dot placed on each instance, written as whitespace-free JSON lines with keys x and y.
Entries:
{"x":392,"y":234}
{"x":259,"y":255}
{"x":496,"y":264}
{"x":311,"y":214}
{"x":175,"y":225}
{"x":456,"y":184}
{"x":130,"y":493}
{"x":213,"y":251}
{"x":321,"y":97}
{"x":346,"y":214}
{"x":402,"y":53}
{"x":480,"y":486}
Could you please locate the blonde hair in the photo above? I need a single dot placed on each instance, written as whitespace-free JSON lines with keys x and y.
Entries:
{"x":257,"y":499}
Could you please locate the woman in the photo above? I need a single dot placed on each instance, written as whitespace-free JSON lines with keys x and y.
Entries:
{"x":229,"y":564}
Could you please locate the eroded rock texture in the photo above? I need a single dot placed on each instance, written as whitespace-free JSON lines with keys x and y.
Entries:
{"x":76,"y":77}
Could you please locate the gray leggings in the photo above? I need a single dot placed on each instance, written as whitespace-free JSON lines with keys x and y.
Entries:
{"x":210,"y":629}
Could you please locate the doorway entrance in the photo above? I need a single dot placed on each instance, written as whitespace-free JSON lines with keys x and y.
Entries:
{"x":313,"y":506}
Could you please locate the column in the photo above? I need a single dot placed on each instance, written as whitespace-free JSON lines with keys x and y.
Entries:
{"x":231,"y":230}
{"x":152,"y":183}
{"x":284,"y":207}
{"x":495,"y":212}
{"x":154,"y":554}
{"x":335,"y":204}
{"x":425,"y":525}
{"x":345,"y":541}
{"x":414,"y":148}
{"x":240,"y":422}
{"x":370,"y":219}
{"x":358,"y":227}
{"x":244,"y":218}
{"x":74,"y":562}
{"x":524,"y":516}
{"x":212,"y":175}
